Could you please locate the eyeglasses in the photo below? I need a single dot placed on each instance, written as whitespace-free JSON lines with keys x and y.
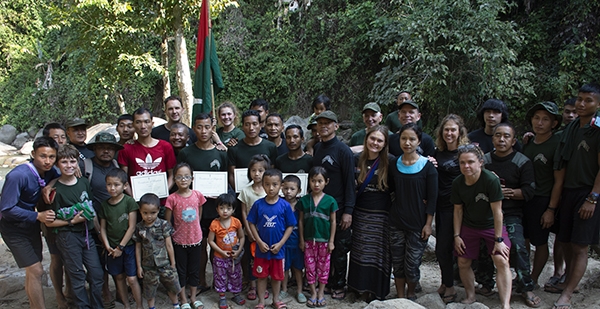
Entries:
{"x":179,"y":178}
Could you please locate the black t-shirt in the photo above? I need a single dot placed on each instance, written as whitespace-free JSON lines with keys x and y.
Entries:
{"x":161,"y":132}
{"x":84,"y":152}
{"x":426,"y":149}
{"x":282,"y":149}
{"x":241,"y":154}
{"x":287,"y":165}
{"x":98,"y":182}
{"x":448,"y":169}
{"x":479,"y":137}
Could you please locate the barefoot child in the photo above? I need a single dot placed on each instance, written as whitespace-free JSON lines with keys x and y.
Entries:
{"x":154,"y":255}
{"x":294,"y":257}
{"x":118,"y":216}
{"x":226,"y":238}
{"x":250,"y":194}
{"x":185,"y":206}
{"x":271,"y":222}
{"x":317,"y":232}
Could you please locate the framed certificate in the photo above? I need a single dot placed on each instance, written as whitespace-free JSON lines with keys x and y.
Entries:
{"x":153,"y":183}
{"x":241,"y":179}
{"x":303,"y":182}
{"x":210,"y":184}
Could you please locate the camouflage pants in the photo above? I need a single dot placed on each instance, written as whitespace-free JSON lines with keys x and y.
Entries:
{"x":519,"y":259}
{"x":339,"y":258}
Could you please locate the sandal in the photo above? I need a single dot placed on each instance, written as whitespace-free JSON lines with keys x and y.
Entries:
{"x":449,"y":298}
{"x":301,"y":298}
{"x":412,"y":298}
{"x":223,"y":303}
{"x":251,"y":293}
{"x":321,"y":303}
{"x":266,"y":294}
{"x":110,"y":305}
{"x":484,"y":291}
{"x":561,"y":306}
{"x":338,"y":295}
{"x":279,"y":305}
{"x":187,"y":306}
{"x":311,"y":303}
{"x":198,"y":305}
{"x":259,"y":306}
{"x":531,"y":301}
{"x":283,"y":295}
{"x":238,"y":299}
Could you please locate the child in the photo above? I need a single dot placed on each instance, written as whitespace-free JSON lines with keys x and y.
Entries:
{"x":250,"y":194}
{"x":228,"y":248}
{"x":154,"y":251}
{"x":186,"y":207}
{"x":319,"y":105}
{"x":74,"y":239}
{"x":118,"y":216}
{"x":317,"y":231}
{"x":271,"y":221}
{"x":294,"y":257}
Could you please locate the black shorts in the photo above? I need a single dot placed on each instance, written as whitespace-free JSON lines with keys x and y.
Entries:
{"x":532,"y":217}
{"x":24,"y":243}
{"x":573,"y":229}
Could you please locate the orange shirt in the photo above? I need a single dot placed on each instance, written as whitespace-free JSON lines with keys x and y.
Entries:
{"x":225,"y":238}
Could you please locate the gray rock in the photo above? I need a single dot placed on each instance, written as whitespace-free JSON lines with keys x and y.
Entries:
{"x":394,"y":303}
{"x":344,"y":135}
{"x":11,"y":285}
{"x":346,"y":125}
{"x":27,"y":148}
{"x":32,"y":132}
{"x":21,"y":139}
{"x":297,"y":120}
{"x":431,"y":301}
{"x":429,"y":253}
{"x":7,"y":134}
{"x":474,"y":305}
{"x":39,"y":133}
{"x":6,"y":150}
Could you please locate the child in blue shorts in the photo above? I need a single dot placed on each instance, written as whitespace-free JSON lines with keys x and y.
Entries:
{"x":294,"y":257}
{"x":118,"y":216}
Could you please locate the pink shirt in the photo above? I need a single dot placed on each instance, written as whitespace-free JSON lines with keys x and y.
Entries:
{"x":186,"y":217}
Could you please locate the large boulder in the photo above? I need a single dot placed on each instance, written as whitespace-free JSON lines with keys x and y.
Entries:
{"x":7,"y":134}
{"x":431,"y":301}
{"x":6,"y":150}
{"x":39,"y":133}
{"x":474,"y":305}
{"x":303,"y":123}
{"x":393,"y":304}
{"x":21,"y":139}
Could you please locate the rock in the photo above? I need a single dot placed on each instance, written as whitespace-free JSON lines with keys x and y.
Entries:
{"x":303,"y":123}
{"x":7,"y":134}
{"x":27,"y":148}
{"x":9,"y":285}
{"x":429,"y":253}
{"x":6,"y":150}
{"x":431,"y":301}
{"x":21,"y":139}
{"x":13,"y":161}
{"x":394,"y":303}
{"x":346,"y":125}
{"x":40,"y":133}
{"x":475,"y":305}
{"x":93,"y":130}
{"x":32,"y":132}
{"x":344,"y":135}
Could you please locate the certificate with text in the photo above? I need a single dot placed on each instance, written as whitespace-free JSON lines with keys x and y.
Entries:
{"x":303,"y":182}
{"x":241,"y":179}
{"x":210,"y":184}
{"x":153,"y":183}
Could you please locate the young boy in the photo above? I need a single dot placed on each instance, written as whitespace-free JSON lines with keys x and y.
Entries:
{"x":74,"y":236}
{"x":154,"y":255}
{"x":271,"y":222}
{"x":118,"y":216}
{"x":294,"y":257}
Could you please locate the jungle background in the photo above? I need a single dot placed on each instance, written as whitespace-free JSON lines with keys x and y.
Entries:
{"x":98,"y":58}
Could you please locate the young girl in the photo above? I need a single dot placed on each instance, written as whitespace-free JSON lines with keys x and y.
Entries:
{"x":228,"y":247}
{"x":250,"y":194}
{"x":317,"y":231}
{"x":414,"y":178}
{"x":319,"y":105}
{"x":186,"y":207}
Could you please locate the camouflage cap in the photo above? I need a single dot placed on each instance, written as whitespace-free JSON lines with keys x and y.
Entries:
{"x":74,"y":123}
{"x":548,"y":106}
{"x":104,"y":138}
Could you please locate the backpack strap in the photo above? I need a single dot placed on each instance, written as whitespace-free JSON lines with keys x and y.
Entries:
{"x":89,"y":168}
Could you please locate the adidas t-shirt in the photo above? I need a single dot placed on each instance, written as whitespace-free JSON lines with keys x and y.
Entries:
{"x":142,"y":160}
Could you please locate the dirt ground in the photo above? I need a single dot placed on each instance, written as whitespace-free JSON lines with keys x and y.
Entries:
{"x":12,"y":293}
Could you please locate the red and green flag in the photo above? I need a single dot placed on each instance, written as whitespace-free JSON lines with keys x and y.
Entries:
{"x":207,"y":66}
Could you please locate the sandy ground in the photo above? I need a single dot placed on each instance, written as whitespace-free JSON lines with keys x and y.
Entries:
{"x":12,"y":293}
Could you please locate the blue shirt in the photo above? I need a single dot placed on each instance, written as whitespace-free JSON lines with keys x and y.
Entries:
{"x":21,"y":194}
{"x":271,"y":220}
{"x":294,"y":239}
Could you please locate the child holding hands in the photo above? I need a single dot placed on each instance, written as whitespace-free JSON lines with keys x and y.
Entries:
{"x":317,"y":232}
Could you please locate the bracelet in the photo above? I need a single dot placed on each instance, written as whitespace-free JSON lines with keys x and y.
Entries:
{"x":456,"y":235}
{"x":551,"y":208}
{"x":591,"y":201}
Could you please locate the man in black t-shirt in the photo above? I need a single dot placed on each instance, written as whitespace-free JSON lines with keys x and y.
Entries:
{"x":492,"y":113}
{"x":173,"y":111}
{"x":296,"y":160}
{"x":274,"y":129}
{"x":409,"y":113}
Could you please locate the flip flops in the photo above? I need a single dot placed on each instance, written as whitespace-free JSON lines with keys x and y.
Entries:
{"x":312,"y":303}
{"x":238,"y":299}
{"x":279,"y":305}
{"x":321,"y":303}
{"x":251,"y":293}
{"x":338,"y":295}
{"x":198,"y":305}
{"x":531,"y":301}
{"x":449,"y":298}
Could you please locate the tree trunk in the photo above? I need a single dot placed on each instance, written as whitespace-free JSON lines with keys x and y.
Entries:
{"x":120,"y":101}
{"x":164,"y":53}
{"x":184,"y":80}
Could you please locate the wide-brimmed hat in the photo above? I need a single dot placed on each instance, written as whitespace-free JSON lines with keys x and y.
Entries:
{"x":548,"y":106}
{"x":104,"y":138}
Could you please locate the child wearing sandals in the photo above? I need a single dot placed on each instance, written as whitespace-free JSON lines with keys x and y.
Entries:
{"x":250,"y":194}
{"x":226,"y":238}
{"x":185,"y":206}
{"x":271,"y":222}
{"x":317,"y":232}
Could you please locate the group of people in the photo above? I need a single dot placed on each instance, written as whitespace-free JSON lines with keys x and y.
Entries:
{"x":491,"y":198}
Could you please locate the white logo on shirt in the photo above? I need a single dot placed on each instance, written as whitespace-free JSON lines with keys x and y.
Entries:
{"x":216,"y":163}
{"x":481,"y":196}
{"x":540,"y":157}
{"x":329,"y":159}
{"x":269,"y":222}
{"x":148,"y":164}
{"x":584,"y":145}
{"x":123,"y":217}
{"x":84,"y":196}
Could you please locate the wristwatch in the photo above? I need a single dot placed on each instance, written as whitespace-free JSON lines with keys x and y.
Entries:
{"x":120,"y":247}
{"x":70,"y":223}
{"x":499,"y":239}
